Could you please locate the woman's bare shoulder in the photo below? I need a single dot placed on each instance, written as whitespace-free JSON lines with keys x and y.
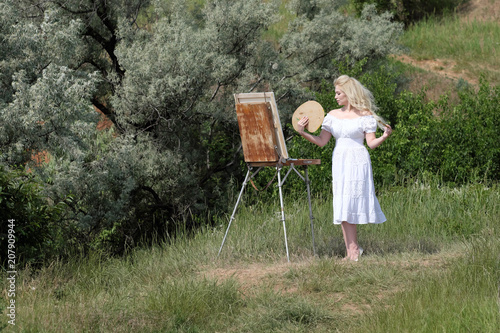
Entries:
{"x":335,"y":112}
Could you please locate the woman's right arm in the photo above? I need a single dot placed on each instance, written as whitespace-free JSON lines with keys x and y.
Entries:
{"x":321,"y":140}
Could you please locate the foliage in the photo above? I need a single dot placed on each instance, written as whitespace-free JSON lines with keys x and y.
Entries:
{"x":37,"y":236}
{"x":331,"y":35}
{"x":410,"y":11}
{"x":456,"y":141}
{"x":471,"y":147}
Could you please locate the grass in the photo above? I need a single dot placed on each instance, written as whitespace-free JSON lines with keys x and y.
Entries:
{"x":461,"y":298}
{"x":434,"y":266}
{"x":474,"y":46}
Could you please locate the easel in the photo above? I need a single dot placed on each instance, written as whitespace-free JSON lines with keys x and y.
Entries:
{"x":264,"y":146}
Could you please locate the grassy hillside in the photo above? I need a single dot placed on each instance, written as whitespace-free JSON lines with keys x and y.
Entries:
{"x":444,"y":53}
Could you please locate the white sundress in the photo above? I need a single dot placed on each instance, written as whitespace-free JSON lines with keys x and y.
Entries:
{"x":354,"y":197}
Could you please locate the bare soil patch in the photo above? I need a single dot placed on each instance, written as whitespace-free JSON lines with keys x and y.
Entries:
{"x":443,"y":67}
{"x":264,"y":274}
{"x":255,"y":275}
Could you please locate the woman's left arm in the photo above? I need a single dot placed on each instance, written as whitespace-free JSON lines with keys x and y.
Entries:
{"x":373,"y":142}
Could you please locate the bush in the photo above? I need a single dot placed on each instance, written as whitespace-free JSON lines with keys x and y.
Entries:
{"x":409,"y":11}
{"x":455,"y":141}
{"x":469,"y":135}
{"x":37,"y":233}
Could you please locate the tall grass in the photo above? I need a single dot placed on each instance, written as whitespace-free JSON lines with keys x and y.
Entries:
{"x":433,"y":266}
{"x":473,"y":45}
{"x":463,"y":298}
{"x":422,"y":215}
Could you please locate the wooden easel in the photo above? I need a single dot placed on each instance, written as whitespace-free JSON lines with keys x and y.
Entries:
{"x":264,"y":146}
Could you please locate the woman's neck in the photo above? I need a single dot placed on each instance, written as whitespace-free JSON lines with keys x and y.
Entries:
{"x":348,"y":108}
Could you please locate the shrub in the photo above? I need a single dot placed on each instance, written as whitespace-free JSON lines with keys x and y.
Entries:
{"x":469,"y":135}
{"x":37,"y":234}
{"x":455,"y":141}
{"x":409,"y":11}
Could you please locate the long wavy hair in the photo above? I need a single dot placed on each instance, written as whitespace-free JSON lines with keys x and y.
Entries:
{"x":359,"y":97}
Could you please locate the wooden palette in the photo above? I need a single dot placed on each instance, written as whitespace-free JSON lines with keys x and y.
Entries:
{"x":314,"y":111}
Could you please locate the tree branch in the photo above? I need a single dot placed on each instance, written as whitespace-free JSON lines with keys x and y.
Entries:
{"x":106,"y":111}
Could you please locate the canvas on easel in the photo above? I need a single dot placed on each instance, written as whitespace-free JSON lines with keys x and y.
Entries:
{"x":258,"y":119}
{"x":264,"y":145}
{"x":256,"y":123}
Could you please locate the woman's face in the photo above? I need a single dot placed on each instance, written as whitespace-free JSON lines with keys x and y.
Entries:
{"x":340,"y":97}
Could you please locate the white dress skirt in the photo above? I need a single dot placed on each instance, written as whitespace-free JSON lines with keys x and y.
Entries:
{"x":354,"y":197}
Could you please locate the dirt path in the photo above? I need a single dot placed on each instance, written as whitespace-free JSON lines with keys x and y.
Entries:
{"x":272,"y":275}
{"x":255,"y":274}
{"x":441,"y":67}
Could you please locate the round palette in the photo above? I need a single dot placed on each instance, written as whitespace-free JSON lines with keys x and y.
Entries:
{"x":314,"y":111}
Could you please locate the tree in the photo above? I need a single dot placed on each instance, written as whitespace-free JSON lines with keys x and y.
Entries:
{"x":164,"y":72}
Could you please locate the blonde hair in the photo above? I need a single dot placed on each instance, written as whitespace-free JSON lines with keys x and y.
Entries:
{"x":359,"y":97}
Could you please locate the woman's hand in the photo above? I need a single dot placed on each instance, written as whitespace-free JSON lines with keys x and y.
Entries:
{"x":302,"y":124}
{"x":387,"y":131}
{"x":373,"y":142}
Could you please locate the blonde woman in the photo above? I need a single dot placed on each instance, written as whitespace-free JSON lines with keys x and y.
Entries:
{"x":354,"y":200}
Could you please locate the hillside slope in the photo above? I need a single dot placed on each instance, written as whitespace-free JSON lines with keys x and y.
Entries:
{"x":442,"y":74}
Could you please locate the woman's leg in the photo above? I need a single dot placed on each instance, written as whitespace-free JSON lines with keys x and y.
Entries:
{"x":345,"y":241}
{"x":351,"y":240}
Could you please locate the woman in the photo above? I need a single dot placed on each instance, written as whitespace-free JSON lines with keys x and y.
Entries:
{"x":354,"y":200}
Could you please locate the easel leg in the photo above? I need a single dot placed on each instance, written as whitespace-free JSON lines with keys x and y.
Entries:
{"x":283,"y":212}
{"x":234,"y":210}
{"x":311,"y":217}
